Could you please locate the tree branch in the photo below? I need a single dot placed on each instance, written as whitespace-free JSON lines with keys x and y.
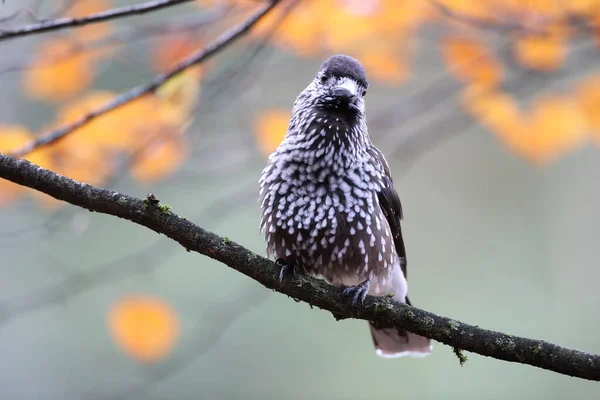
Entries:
{"x":316,"y":292}
{"x":62,"y":23}
{"x":196,"y":58}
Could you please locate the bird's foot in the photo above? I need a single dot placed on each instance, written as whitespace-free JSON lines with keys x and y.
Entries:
{"x":358,"y":293}
{"x":287,"y":269}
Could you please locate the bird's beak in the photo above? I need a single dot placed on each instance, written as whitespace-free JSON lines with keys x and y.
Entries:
{"x":347,"y":89}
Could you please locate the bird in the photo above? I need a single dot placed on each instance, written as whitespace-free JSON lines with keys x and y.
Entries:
{"x":329,"y":208}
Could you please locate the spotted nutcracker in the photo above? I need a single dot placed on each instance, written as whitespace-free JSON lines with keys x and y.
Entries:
{"x":329,"y":207}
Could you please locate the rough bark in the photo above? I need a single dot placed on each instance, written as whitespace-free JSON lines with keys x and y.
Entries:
{"x":152,"y":214}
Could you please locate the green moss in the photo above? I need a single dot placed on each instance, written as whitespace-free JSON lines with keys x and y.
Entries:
{"x":462,"y":359}
{"x":163,"y":208}
{"x":226,"y":240}
{"x":382,"y":306}
{"x":390,"y":295}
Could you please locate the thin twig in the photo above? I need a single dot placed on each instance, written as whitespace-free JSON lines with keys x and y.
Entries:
{"x":22,"y":61}
{"x":66,"y":22}
{"x":313,"y":291}
{"x":124,"y":98}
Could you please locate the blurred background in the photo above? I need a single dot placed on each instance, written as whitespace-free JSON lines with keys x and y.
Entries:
{"x":488,"y":113}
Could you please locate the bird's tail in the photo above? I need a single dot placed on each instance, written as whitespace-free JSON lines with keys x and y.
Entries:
{"x":392,"y":342}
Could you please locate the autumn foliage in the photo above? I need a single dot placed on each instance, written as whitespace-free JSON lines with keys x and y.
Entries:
{"x":144,"y":327}
{"x":147,"y":138}
{"x":383,"y":35}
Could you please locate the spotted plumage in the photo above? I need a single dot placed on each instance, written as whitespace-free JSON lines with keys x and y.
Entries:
{"x":328,"y":203}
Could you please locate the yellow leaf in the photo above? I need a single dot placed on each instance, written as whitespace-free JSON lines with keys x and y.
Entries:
{"x":59,"y":70}
{"x":363,"y":27}
{"x":471,"y":61}
{"x":582,"y":7}
{"x":588,"y":95}
{"x":497,"y":111}
{"x":145,"y":328}
{"x":159,"y":158}
{"x":554,"y":126}
{"x":119,"y":129}
{"x":557,"y":126}
{"x":347,"y":27}
{"x":541,"y":52}
{"x":381,"y":64}
{"x":179,"y":95}
{"x":270,"y":129}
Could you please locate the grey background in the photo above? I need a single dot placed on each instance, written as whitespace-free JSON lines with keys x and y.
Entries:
{"x":491,"y":240}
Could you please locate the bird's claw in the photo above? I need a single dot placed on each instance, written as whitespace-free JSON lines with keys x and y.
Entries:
{"x":287,"y":269}
{"x":357,"y":292}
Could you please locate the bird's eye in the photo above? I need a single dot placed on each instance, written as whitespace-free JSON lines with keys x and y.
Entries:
{"x":324,"y":79}
{"x":364,"y":92}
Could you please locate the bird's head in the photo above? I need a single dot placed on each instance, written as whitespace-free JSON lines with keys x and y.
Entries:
{"x":338,"y":88}
{"x":328,"y":120}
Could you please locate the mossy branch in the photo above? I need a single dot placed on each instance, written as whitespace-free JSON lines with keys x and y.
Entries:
{"x":315,"y":292}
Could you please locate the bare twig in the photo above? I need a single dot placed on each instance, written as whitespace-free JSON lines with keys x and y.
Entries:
{"x":316,"y":292}
{"x":62,"y":23}
{"x":192,"y":22}
{"x":196,"y":58}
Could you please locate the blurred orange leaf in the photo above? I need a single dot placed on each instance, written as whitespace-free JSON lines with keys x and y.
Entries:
{"x":113,"y":131}
{"x":554,"y":126}
{"x":88,"y":154}
{"x":587,"y":94}
{"x":319,"y":27}
{"x":179,"y":95}
{"x":64,"y":66}
{"x":496,"y":110}
{"x":377,"y":60}
{"x":541,"y":52}
{"x":160,"y":158}
{"x":103,"y":132}
{"x":138,"y":128}
{"x":270,"y":129}
{"x":471,"y":61}
{"x":582,"y":7}
{"x":11,"y":138}
{"x":59,"y":70}
{"x":145,"y":328}
{"x":349,"y":25}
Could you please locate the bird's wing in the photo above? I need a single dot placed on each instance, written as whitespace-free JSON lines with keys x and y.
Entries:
{"x":389,"y":201}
